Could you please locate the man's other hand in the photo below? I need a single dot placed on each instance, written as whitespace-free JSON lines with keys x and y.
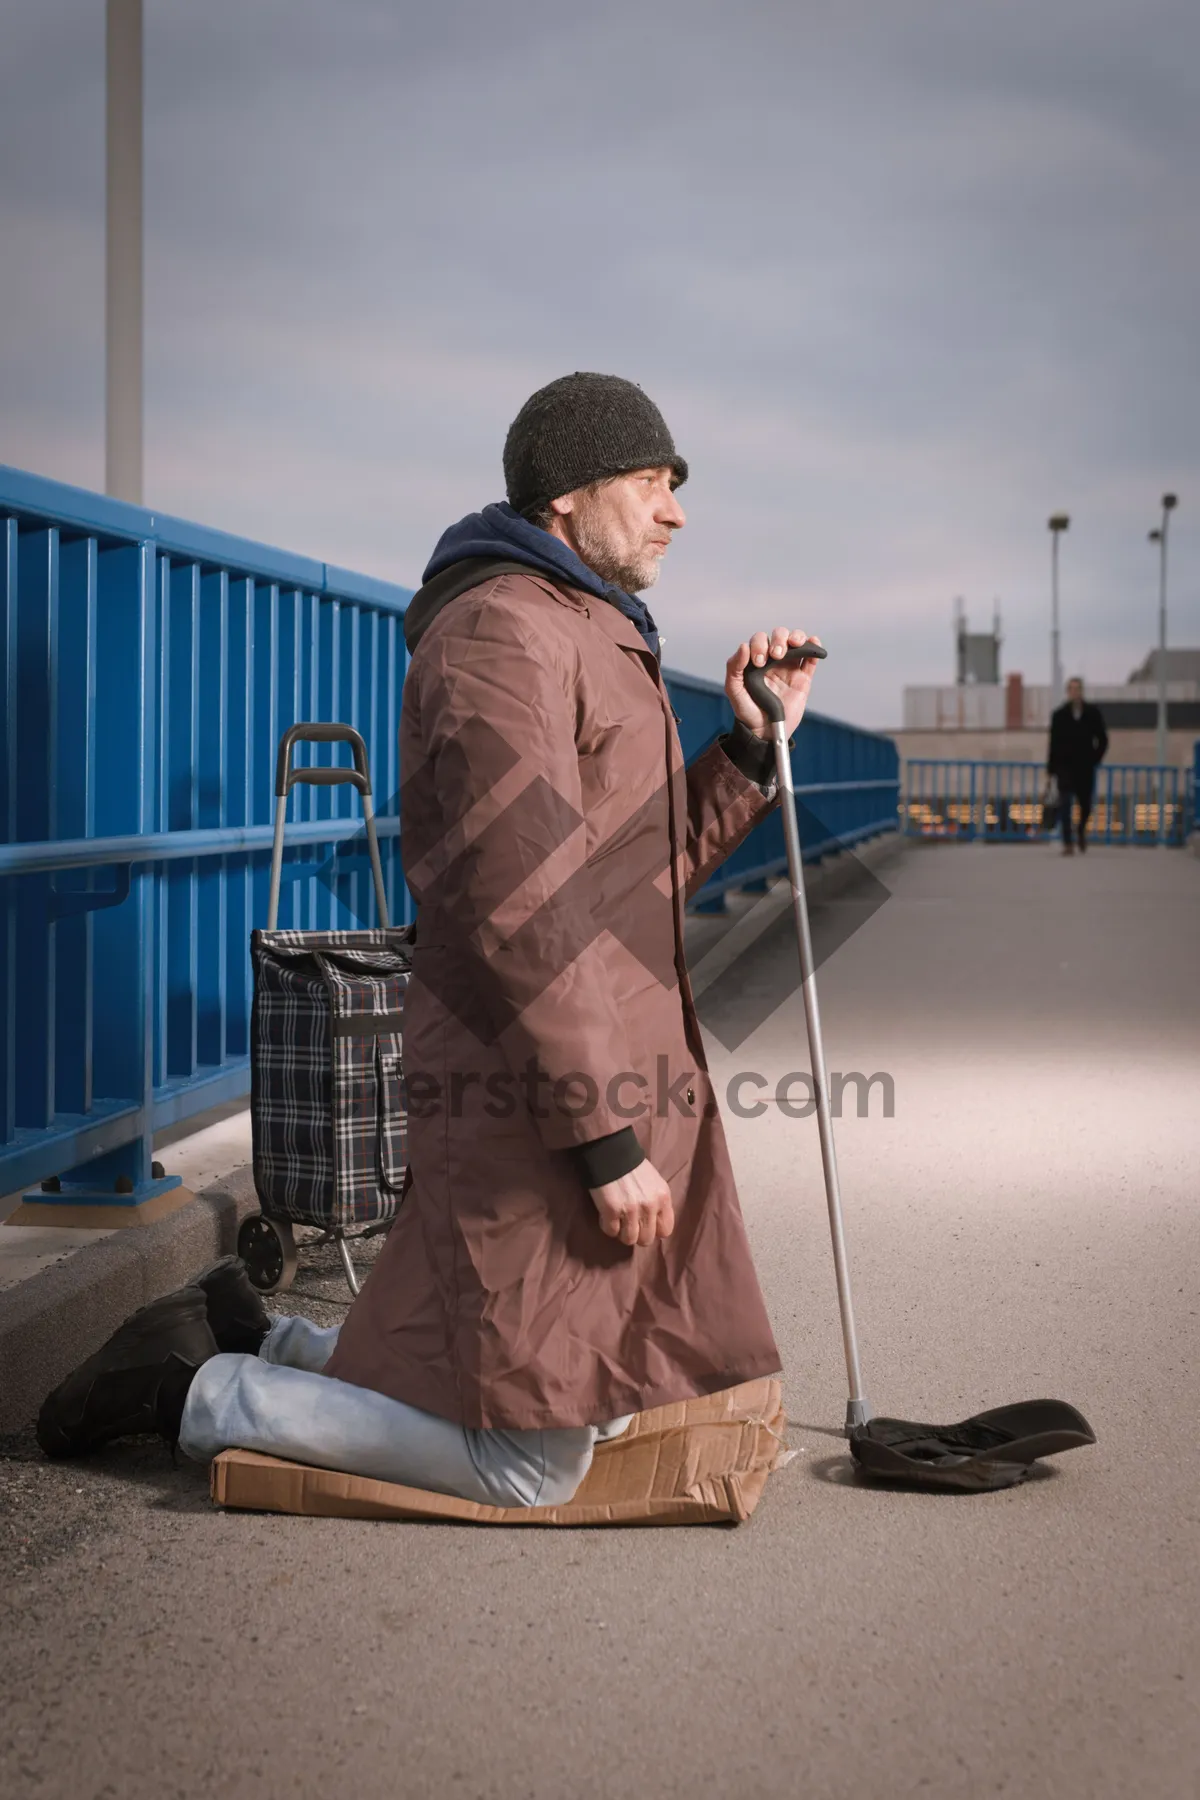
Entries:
{"x":637,"y":1208}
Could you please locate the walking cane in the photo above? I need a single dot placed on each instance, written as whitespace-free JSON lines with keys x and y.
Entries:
{"x":992,"y":1449}
{"x":858,"y":1411}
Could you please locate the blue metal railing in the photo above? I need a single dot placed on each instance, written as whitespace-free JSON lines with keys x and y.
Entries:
{"x":149,"y":668}
{"x":1005,"y":802}
{"x":847,"y":786}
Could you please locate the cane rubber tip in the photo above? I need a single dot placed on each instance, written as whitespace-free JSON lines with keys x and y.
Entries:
{"x":858,"y":1412}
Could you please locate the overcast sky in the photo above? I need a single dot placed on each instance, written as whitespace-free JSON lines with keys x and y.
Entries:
{"x":905,"y":276}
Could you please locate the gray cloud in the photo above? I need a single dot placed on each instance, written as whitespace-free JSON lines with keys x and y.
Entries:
{"x":905,"y":277}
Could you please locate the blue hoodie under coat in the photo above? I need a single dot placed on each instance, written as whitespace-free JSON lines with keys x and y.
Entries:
{"x":501,"y":533}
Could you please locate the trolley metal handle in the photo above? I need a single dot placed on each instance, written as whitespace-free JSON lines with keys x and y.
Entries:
{"x":286,"y":777}
{"x":760,"y":689}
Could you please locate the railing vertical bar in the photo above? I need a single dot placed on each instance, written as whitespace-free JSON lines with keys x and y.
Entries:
{"x":142,"y":916}
{"x":357,"y":893}
{"x":36,"y":706}
{"x":239,"y":688}
{"x":338,"y":800}
{"x":89,"y":995}
{"x":306,"y":807}
{"x":160,"y":877}
{"x":399,"y":900}
{"x":211,"y":767}
{"x":289,"y":651}
{"x":320,"y":799}
{"x":380,"y":652}
{"x":363,"y":644}
{"x":972,"y":833}
{"x":302,"y":895}
{"x":125,"y":801}
{"x":247,"y":809}
{"x":9,"y":684}
{"x":333,"y":801}
{"x":267,"y":680}
{"x":179,"y":721}
{"x":193,"y":867}
{"x":301,"y":799}
{"x":74,"y":816}
{"x":223,"y":818}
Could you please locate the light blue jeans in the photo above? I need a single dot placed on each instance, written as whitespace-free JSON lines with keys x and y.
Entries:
{"x":280,"y":1404}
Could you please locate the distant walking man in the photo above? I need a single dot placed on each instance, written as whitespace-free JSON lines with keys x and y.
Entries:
{"x":1078,"y":741}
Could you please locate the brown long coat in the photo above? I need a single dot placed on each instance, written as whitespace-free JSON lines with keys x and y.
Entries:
{"x":550,"y":836}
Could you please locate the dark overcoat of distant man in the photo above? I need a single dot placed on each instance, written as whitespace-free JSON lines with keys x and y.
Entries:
{"x":1078,"y":741}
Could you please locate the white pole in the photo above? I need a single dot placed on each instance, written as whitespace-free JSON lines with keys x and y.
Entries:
{"x":1160,"y":747}
{"x":1059,"y":522}
{"x":1055,"y":657}
{"x":123,"y":252}
{"x":1159,"y":536}
{"x":1169,"y":503}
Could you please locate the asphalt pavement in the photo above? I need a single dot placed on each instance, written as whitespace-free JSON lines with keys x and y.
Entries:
{"x":1024,"y":1223}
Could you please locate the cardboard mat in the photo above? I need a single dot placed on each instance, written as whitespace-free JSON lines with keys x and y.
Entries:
{"x":697,"y":1462}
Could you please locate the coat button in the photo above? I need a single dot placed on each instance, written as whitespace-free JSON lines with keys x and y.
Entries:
{"x":691,"y":1096}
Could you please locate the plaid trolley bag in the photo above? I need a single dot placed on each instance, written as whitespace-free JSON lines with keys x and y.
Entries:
{"x":326,"y":1096}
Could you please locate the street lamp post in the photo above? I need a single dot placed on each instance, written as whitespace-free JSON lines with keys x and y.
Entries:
{"x":1159,"y":537}
{"x":123,"y":252}
{"x":1058,"y":523}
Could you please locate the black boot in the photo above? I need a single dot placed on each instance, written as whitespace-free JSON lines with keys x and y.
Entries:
{"x":136,"y":1383}
{"x":236,"y":1315}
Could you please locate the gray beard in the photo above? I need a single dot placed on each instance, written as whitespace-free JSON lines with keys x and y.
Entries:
{"x":604,"y":561}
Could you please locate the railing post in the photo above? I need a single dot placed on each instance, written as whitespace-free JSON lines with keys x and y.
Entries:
{"x":9,"y":685}
{"x":973,"y":832}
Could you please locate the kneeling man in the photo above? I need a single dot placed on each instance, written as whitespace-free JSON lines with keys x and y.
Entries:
{"x":570,"y":1249}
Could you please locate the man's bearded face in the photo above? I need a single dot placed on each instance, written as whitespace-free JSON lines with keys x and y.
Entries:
{"x":622,"y":528}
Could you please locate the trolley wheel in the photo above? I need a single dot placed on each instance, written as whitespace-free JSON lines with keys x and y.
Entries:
{"x":268,"y":1249}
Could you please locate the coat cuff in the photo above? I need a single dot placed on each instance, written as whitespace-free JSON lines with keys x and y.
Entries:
{"x":607,"y":1158}
{"x":751,"y":756}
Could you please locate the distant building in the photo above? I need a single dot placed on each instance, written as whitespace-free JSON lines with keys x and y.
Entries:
{"x":996,"y":721}
{"x":1181,"y":665}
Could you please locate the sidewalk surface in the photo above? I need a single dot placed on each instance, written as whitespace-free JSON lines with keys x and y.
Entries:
{"x":1023,"y":1225}
{"x":198,"y":1156}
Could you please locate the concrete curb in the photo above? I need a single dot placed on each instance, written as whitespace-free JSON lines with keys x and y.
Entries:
{"x":51,"y":1322}
{"x":834,"y":873}
{"x":824,"y":882}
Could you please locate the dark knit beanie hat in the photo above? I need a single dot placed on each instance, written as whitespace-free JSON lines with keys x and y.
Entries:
{"x":582,"y":428}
